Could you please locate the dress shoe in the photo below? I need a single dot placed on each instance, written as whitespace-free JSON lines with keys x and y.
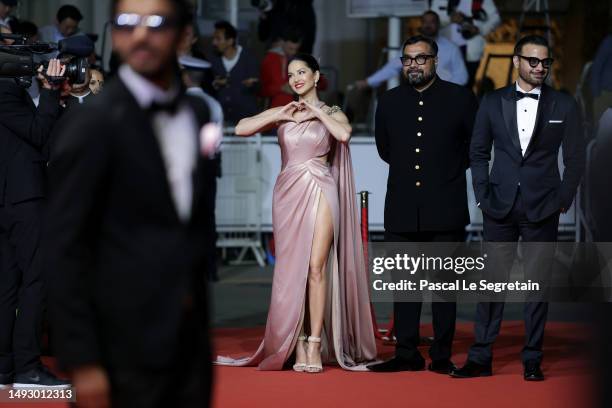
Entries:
{"x":533,"y":372}
{"x":441,"y":366}
{"x":398,"y":364}
{"x":472,"y":369}
{"x":39,"y":377}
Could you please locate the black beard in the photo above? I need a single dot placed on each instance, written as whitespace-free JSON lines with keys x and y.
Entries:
{"x":421,"y":79}
{"x":527,"y":78}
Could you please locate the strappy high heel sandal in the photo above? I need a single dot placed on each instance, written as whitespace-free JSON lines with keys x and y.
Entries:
{"x":314,"y":368}
{"x":300,"y":367}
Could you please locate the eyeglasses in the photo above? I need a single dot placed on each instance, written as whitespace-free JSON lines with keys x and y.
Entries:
{"x":419,"y":59}
{"x":129,"y":21}
{"x":534,"y":62}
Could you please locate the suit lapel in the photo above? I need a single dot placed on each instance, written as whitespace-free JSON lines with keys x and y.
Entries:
{"x":509,"y":112}
{"x":545,"y":108}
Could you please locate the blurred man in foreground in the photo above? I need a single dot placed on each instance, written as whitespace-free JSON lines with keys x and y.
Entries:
{"x":131,"y":215}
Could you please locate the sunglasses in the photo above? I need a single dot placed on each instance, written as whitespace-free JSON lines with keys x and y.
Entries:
{"x":129,"y":21}
{"x":419,"y":59}
{"x":534,"y":62}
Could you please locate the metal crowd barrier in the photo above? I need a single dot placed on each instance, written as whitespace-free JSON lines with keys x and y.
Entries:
{"x":238,"y":203}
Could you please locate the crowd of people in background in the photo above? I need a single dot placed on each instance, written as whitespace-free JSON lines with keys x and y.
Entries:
{"x":234,"y":84}
{"x":231,"y":74}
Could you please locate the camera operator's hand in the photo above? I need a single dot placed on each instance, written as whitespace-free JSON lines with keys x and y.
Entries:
{"x":55,"y":69}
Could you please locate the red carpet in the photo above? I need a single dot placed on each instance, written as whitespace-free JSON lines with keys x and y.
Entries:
{"x":565,"y":365}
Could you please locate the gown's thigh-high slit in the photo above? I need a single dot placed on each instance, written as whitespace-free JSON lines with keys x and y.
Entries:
{"x":323,"y":225}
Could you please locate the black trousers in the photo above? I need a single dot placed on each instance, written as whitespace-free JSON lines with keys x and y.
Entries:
{"x":490,"y":315}
{"x":407,"y":315}
{"x":21,"y":286}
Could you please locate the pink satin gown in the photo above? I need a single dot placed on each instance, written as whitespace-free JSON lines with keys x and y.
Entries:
{"x":348,"y":334}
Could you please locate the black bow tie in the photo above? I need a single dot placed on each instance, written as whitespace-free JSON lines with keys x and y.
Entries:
{"x":169,"y":107}
{"x":520,"y":95}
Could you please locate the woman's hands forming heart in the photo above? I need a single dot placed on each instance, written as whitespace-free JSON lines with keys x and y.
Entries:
{"x":286,"y":113}
{"x":298,"y":112}
{"x":311,"y":111}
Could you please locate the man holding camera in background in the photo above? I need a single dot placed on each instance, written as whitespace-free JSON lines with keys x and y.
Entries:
{"x":467,"y":23}
{"x":24,"y":133}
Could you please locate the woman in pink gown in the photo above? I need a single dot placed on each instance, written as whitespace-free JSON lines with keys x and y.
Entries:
{"x":320,"y":303}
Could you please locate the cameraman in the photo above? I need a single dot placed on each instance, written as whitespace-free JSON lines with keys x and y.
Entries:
{"x":24,"y":134}
{"x":467,"y":23}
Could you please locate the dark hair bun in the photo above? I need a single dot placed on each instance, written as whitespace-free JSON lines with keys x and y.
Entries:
{"x":307,"y":59}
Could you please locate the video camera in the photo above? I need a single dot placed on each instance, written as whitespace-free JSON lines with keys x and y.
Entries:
{"x":18,"y":60}
{"x":467,"y":22}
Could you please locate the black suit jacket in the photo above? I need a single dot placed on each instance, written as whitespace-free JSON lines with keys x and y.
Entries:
{"x":24,"y":133}
{"x":126,"y":275}
{"x":558,"y":124}
{"x":439,"y":202}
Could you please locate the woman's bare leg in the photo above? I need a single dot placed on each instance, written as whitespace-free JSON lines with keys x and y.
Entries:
{"x":317,"y":279}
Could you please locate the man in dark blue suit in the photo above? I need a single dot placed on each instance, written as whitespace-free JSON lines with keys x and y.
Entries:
{"x":523,"y":196}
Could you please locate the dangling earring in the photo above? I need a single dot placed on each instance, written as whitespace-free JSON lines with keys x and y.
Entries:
{"x":316,"y":83}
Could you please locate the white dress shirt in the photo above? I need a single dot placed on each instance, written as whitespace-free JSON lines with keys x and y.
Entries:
{"x":465,"y":7}
{"x":526,"y":112}
{"x":81,"y":98}
{"x":176,"y":135}
{"x":229,"y":64}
